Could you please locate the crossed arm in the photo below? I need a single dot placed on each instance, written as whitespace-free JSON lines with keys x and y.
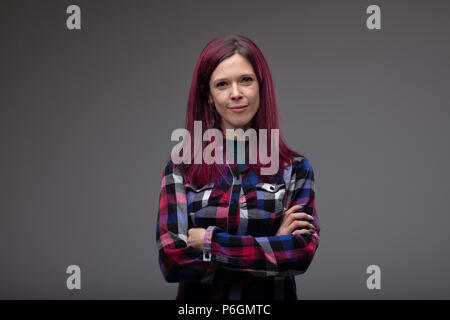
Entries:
{"x":291,"y":224}
{"x":195,"y":255}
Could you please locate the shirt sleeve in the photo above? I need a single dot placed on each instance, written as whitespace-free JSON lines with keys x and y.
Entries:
{"x":285,"y":255}
{"x":179,"y":262}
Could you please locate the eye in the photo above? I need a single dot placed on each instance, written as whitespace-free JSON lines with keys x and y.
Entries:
{"x":247,"y":79}
{"x":219,"y":84}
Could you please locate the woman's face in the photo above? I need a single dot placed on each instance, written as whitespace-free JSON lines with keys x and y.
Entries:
{"x":235,"y":92}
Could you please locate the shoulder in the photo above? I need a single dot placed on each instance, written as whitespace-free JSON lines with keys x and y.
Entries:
{"x":301,"y":167}
{"x":301,"y":161}
{"x":173,"y":170}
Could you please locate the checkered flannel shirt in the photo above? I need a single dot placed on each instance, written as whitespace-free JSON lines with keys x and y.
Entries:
{"x":242,"y":257}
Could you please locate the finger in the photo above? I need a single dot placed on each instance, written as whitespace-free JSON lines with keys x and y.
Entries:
{"x":307,"y":225}
{"x":301,"y":215}
{"x":293,"y":209}
{"x":299,"y":232}
{"x":298,"y":216}
{"x":303,"y":224}
{"x":298,"y":224}
{"x":304,"y":231}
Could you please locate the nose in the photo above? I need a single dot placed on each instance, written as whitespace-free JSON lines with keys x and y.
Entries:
{"x":235,"y":91}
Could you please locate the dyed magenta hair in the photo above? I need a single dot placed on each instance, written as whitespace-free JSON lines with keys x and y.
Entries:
{"x":198,"y":108}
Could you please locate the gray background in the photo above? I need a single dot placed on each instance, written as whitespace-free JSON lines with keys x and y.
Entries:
{"x":86,"y":118}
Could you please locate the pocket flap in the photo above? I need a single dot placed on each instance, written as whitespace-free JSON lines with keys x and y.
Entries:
{"x":269,"y":187}
{"x":200,"y":188}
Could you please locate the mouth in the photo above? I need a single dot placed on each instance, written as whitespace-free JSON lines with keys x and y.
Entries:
{"x":238,"y":109}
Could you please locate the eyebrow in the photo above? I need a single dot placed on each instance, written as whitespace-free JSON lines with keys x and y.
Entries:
{"x":242,"y":75}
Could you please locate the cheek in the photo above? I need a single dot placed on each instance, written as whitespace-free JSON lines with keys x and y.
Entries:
{"x":255,"y":101}
{"x":221,"y":110}
{"x":254,"y":94}
{"x":220,"y":101}
{"x":220,"y":107}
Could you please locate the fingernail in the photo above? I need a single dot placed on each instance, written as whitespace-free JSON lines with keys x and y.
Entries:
{"x":310,"y":217}
{"x":311,"y":231}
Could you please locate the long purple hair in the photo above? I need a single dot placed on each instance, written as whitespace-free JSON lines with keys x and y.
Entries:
{"x":198,"y":108}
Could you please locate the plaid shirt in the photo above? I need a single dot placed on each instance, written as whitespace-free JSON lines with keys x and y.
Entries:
{"x":242,"y":258}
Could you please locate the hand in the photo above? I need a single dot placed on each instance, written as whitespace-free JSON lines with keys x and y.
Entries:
{"x":196,"y":237}
{"x":291,"y":222}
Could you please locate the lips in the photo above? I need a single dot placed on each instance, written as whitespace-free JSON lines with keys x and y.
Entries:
{"x":240,"y":108}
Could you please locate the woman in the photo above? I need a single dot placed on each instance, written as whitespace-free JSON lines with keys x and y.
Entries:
{"x":228,"y":231}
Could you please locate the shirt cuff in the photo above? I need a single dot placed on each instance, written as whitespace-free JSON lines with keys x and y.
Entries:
{"x":207,"y":243}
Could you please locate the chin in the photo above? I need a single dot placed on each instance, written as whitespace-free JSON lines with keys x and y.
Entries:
{"x":241,"y":124}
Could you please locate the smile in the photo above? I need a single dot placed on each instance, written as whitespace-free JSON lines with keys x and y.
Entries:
{"x":238,"y":109}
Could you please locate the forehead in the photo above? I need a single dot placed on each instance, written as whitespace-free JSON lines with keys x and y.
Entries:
{"x":231,"y":67}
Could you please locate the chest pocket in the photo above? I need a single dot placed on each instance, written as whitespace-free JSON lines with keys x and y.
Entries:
{"x":203,"y":203}
{"x":198,"y":197}
{"x":270,"y":197}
